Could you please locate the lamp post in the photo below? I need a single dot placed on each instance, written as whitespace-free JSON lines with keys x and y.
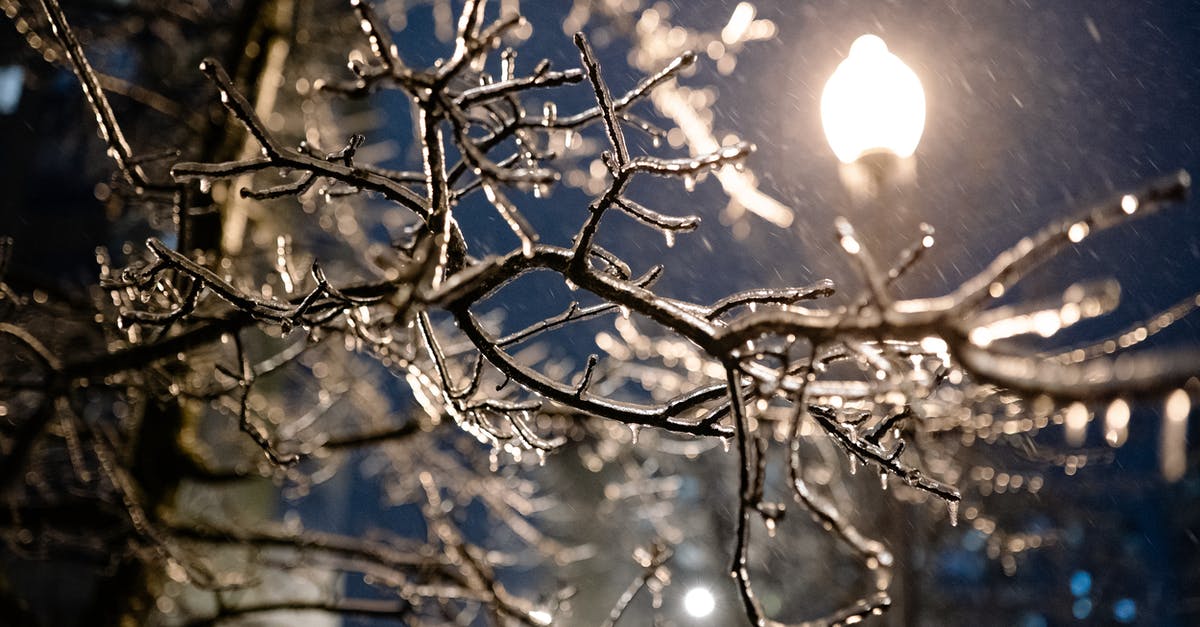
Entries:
{"x":873,"y":112}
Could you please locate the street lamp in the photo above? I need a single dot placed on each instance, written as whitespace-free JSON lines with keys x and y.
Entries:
{"x":873,"y":112}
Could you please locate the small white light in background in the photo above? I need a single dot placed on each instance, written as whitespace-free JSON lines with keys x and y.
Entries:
{"x":699,"y":602}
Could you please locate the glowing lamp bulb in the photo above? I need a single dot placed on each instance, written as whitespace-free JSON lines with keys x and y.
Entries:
{"x":873,"y":103}
{"x":699,"y":602}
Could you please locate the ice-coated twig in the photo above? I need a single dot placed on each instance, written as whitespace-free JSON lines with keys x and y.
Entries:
{"x":492,"y":91}
{"x":604,"y":101}
{"x":1132,"y":335}
{"x":246,"y":381}
{"x":864,"y":262}
{"x":236,"y":103}
{"x":781,"y":296}
{"x":1011,"y":265}
{"x":573,"y":313}
{"x":691,"y":166}
{"x":1100,"y":378}
{"x":888,"y":461}
{"x":652,"y":561}
{"x":380,"y":38}
{"x":657,"y":220}
{"x":110,"y":130}
{"x":668,"y":72}
{"x":747,"y":465}
{"x":512,"y":216}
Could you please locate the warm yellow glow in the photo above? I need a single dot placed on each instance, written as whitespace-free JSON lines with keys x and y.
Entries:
{"x":1173,"y":437}
{"x":1076,"y":422}
{"x":872,"y":103}
{"x":1116,"y":423}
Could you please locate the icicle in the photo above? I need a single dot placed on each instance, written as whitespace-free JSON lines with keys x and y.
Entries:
{"x":770,"y":523}
{"x":656,"y":142}
{"x":670,"y":237}
{"x":541,"y":456}
{"x":952,"y":509}
{"x":549,"y":114}
{"x":725,"y":444}
{"x":569,"y":138}
{"x":205,"y":184}
{"x":635,"y":431}
{"x":689,"y":182}
{"x":853,"y":464}
{"x":624,"y":311}
{"x":883,"y":480}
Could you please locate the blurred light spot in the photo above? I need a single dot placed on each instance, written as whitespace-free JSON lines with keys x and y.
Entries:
{"x":1116,"y":423}
{"x":1033,"y":620}
{"x":1125,"y":610}
{"x":1173,"y":437}
{"x":739,"y":22}
{"x":1091,"y":28}
{"x":12,"y":78}
{"x":1076,"y":423}
{"x":1081,"y":609}
{"x":1081,"y":583}
{"x":974,"y":540}
{"x":699,"y":602}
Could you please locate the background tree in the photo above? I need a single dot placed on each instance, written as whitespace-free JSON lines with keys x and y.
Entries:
{"x":306,"y":310}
